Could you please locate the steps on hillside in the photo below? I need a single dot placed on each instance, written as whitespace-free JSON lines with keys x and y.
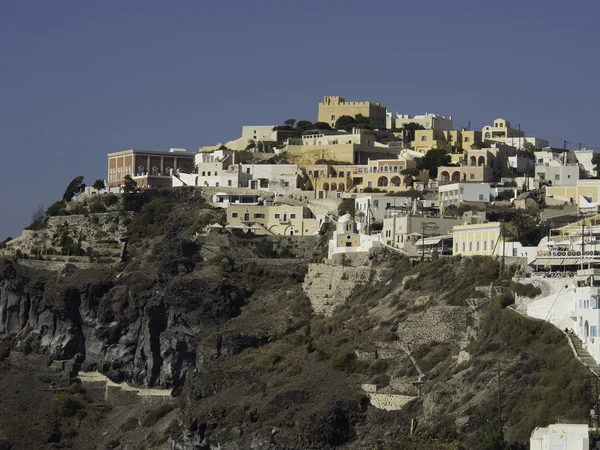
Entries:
{"x":584,"y":355}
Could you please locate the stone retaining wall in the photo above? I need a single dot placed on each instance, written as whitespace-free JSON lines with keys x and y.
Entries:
{"x":328,"y":285}
{"x":57,"y":266}
{"x":389,"y":402}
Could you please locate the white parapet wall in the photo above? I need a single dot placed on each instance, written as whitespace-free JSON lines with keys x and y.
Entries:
{"x":122,"y":394}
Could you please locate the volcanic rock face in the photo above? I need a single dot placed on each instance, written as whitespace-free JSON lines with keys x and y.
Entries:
{"x":41,"y":315}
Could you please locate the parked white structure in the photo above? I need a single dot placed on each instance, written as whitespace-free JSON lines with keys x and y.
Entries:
{"x":560,"y":436}
{"x":347,"y":239}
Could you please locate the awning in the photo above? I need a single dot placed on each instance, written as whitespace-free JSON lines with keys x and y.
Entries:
{"x":557,"y":262}
{"x":434,"y":240}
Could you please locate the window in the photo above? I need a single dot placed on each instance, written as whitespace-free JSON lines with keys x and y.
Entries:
{"x":248,"y":170}
{"x":557,"y":177}
{"x":477,"y":246}
{"x":463,"y":246}
{"x":209,"y":173}
{"x":456,"y":247}
{"x":470,"y":246}
{"x":472,"y":176}
{"x":376,"y":203}
{"x":259,"y":216}
{"x":423,"y":138}
{"x":234,"y":214}
{"x":203,"y":174}
{"x":492,"y":245}
{"x":484,"y":246}
{"x":467,"y":139}
{"x":277,"y":216}
{"x":228,"y":182}
{"x":480,"y":197}
{"x":333,"y":117}
{"x":348,"y":244}
{"x":292,"y":216}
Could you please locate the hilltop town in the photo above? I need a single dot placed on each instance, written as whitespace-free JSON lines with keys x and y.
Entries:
{"x":367,"y":257}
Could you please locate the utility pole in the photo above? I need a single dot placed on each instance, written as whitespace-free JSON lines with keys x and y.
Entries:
{"x":520,"y":148}
{"x":499,"y":371}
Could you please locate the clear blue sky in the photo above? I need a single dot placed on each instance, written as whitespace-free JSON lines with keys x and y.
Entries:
{"x":81,"y":79}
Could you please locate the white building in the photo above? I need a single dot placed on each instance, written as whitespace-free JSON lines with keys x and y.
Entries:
{"x":403,"y":231}
{"x":557,"y":169}
{"x":427,"y":121}
{"x":224,"y":199}
{"x":280,"y":178}
{"x":457,"y":193}
{"x":584,"y":158}
{"x":560,"y":436}
{"x":571,"y":267}
{"x":347,"y":239}
{"x":519,"y":142}
{"x":373,"y":208}
{"x":520,"y":164}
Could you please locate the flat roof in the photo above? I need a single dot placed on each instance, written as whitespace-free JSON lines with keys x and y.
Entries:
{"x":153,"y":152}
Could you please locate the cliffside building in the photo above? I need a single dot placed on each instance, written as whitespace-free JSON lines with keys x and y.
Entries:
{"x":149,"y":168}
{"x":334,"y":107}
{"x":347,"y":239}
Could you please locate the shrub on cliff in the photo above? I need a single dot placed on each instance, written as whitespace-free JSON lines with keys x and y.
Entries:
{"x":64,"y":405}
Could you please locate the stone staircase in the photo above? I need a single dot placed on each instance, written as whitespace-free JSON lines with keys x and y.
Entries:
{"x":583,"y":355}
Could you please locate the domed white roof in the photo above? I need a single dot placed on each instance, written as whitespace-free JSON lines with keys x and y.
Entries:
{"x":345,"y":218}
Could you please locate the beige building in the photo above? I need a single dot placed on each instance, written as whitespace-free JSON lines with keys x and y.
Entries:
{"x":480,"y":165}
{"x":582,"y":193}
{"x":384,"y":174}
{"x":347,"y":239}
{"x":450,"y":140}
{"x":356,"y":147}
{"x":149,"y":169}
{"x":272,"y":218}
{"x":478,"y":239}
{"x":333,"y":107}
{"x":500,"y":131}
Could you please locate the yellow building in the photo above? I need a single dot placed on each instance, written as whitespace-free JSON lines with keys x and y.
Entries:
{"x":450,"y":140}
{"x":582,"y":194}
{"x":333,"y":107}
{"x":500,"y":131}
{"x":479,"y":165}
{"x":384,"y":174}
{"x":279,"y":219}
{"x":478,"y":239}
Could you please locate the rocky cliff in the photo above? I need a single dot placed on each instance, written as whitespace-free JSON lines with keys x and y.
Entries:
{"x":226,"y":322}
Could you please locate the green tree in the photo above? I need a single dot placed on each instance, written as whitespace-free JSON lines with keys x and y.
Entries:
{"x":347,"y":206}
{"x":129,"y":185}
{"x":413,"y":171}
{"x":304,"y":125}
{"x":408,"y":130}
{"x":290,"y":122}
{"x":321,"y":126}
{"x":476,"y":145}
{"x":528,"y":151}
{"x":433,"y":159}
{"x":345,"y":123}
{"x":99,"y":186}
{"x":76,"y":185}
{"x":596,"y":163}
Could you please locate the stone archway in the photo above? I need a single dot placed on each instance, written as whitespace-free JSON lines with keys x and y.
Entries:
{"x":456,"y":176}
{"x":396,"y":181}
{"x":444,"y":176}
{"x":382,"y":181}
